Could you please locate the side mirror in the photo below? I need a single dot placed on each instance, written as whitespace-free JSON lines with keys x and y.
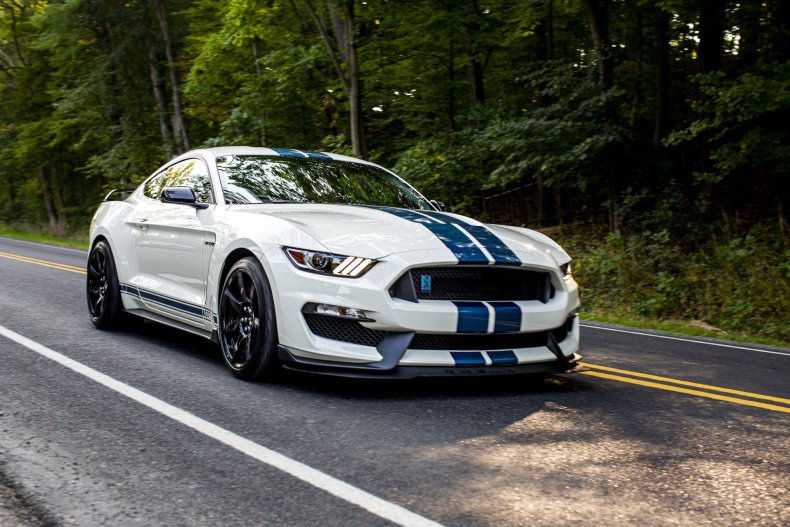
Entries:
{"x":440,"y":206}
{"x":182,"y":196}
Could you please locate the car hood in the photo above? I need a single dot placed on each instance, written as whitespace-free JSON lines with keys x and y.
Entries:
{"x":374,"y":232}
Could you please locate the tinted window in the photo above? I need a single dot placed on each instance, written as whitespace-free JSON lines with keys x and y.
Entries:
{"x":188,"y":173}
{"x":262,"y":179}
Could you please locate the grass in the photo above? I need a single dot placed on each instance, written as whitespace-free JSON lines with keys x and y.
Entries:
{"x":686,"y":328}
{"x":74,"y":241}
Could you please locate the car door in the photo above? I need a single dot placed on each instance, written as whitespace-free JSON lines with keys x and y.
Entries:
{"x":171,"y":244}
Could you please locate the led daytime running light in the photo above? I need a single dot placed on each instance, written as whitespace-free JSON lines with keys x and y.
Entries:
{"x":326,"y":263}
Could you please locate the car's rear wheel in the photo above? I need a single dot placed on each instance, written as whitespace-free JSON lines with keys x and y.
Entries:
{"x":247,"y":326}
{"x":103,"y":291}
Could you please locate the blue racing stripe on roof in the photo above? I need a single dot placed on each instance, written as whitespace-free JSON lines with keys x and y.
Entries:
{"x":316,"y":155}
{"x":507,"y":317}
{"x":288,"y":152}
{"x":472,"y":317}
{"x":462,"y":247}
{"x":502,"y":254}
{"x":468,"y":358}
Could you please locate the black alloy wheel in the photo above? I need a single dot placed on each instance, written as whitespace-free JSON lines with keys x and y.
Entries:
{"x":103,"y":292}
{"x":247,"y":326}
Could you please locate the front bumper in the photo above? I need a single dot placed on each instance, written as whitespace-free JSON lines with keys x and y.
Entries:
{"x":412,"y":339}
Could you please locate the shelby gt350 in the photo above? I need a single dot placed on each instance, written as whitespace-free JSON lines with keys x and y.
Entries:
{"x":330,"y":264}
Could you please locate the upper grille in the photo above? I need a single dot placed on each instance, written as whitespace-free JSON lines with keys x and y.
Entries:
{"x":473,"y":283}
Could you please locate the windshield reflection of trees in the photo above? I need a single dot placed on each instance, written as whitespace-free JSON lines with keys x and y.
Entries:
{"x":256,"y":179}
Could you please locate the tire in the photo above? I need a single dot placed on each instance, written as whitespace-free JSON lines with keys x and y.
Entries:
{"x":247,"y":326}
{"x":103,"y":293}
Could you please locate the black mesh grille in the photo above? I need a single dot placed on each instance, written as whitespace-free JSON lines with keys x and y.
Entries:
{"x":343,"y":330}
{"x":479,"y":283}
{"x":351,"y":331}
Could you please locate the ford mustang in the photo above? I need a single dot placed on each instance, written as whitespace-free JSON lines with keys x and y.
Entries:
{"x":329,"y":264}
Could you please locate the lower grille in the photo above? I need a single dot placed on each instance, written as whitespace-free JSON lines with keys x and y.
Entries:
{"x":353,"y":332}
{"x":344,"y":330}
{"x":427,"y":341}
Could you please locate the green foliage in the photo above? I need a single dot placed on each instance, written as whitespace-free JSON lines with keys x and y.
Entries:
{"x":745,"y":120}
{"x":739,"y":284}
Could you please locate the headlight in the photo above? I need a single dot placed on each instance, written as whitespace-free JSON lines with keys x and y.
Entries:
{"x":566,"y":270}
{"x":329,"y":264}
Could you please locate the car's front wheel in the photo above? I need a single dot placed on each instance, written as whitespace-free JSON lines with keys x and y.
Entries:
{"x":103,"y":291}
{"x":247,"y":325}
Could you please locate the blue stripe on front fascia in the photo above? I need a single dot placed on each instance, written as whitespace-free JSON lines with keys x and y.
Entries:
{"x":507,"y":317}
{"x":465,"y":251}
{"x":288,"y":152}
{"x":472,"y":317}
{"x":468,"y":358}
{"x":502,"y":357}
{"x":502,"y":254}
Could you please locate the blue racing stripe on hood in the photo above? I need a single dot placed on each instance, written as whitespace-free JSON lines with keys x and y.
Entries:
{"x":502,"y":254}
{"x":462,"y":247}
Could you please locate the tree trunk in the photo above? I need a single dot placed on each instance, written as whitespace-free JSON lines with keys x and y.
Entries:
{"x":598,"y":15}
{"x":358,"y":141}
{"x":475,"y":71}
{"x":749,"y":24}
{"x":177,"y":116}
{"x":541,"y":57}
{"x":711,"y":35}
{"x":662,"y":84}
{"x":636,"y":102}
{"x":259,"y":73}
{"x":158,"y":88}
{"x":46,"y":194}
{"x":451,"y":91}
{"x":344,"y":47}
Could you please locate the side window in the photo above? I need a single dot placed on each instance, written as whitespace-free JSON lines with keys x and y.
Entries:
{"x":153,"y":189}
{"x":188,"y":173}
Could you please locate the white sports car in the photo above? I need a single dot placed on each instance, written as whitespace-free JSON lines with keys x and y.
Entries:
{"x":329,"y":264}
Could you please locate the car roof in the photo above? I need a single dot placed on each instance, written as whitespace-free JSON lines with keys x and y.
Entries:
{"x":264,"y":151}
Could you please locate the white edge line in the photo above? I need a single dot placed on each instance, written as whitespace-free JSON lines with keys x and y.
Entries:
{"x":47,"y":245}
{"x":345,"y":491}
{"x":685,"y":340}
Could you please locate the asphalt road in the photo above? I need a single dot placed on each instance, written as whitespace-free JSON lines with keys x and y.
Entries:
{"x":659,"y":431}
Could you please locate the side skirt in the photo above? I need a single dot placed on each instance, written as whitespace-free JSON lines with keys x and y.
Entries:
{"x":172,"y":323}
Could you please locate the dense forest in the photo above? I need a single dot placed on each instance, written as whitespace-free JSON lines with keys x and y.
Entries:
{"x":658,"y":126}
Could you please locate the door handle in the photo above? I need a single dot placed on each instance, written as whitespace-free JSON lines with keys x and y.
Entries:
{"x":142,"y":220}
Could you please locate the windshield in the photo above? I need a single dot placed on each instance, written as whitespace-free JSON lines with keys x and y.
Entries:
{"x":264,"y":179}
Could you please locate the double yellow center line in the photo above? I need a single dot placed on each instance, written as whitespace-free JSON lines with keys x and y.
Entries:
{"x":45,"y":263}
{"x":694,"y":388}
